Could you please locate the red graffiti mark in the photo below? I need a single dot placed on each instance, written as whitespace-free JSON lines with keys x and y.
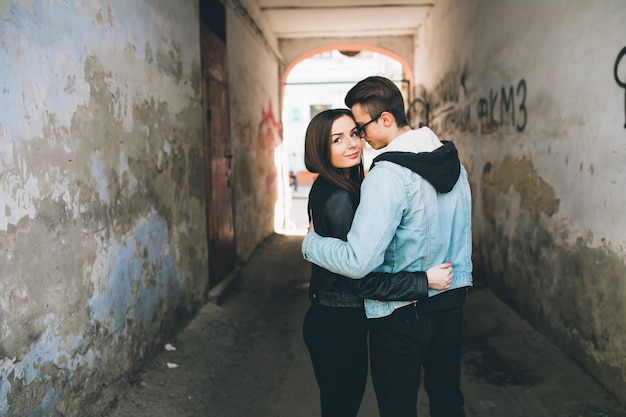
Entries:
{"x":269,"y":132}
{"x":270,"y":184}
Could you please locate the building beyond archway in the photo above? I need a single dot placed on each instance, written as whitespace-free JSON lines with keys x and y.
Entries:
{"x":316,"y":81}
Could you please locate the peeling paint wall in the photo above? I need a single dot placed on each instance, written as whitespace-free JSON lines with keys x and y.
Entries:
{"x":533,"y":95}
{"x":256,"y":129}
{"x":102,"y":208}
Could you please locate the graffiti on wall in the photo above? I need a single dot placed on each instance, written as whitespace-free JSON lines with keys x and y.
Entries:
{"x":418,"y":112}
{"x":621,"y":83}
{"x":451,"y":109}
{"x":269,"y":138}
{"x":453,"y":117}
{"x":447,"y":109}
{"x":502,"y":109}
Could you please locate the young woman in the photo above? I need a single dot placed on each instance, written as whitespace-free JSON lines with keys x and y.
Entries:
{"x":335,"y":327}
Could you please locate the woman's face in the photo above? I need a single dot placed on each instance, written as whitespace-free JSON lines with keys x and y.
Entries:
{"x":345,"y":143}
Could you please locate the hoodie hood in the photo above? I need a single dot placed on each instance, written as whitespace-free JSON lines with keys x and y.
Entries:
{"x":440,"y":167}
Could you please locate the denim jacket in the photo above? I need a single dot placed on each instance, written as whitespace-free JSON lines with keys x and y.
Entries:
{"x":333,"y":209}
{"x":414,"y":213}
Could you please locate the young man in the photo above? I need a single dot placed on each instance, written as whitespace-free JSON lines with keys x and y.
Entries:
{"x":414,"y":212}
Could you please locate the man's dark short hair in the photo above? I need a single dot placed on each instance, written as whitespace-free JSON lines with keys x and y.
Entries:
{"x":378,"y":94}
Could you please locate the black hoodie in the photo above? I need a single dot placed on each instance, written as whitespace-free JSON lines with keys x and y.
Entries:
{"x":441,"y":167}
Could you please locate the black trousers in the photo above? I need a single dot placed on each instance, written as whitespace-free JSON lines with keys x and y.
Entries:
{"x":406,"y":341}
{"x":337,"y":342}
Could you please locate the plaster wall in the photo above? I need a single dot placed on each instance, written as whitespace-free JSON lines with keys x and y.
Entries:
{"x":102,"y":208}
{"x":528,"y":93}
{"x":259,"y":155}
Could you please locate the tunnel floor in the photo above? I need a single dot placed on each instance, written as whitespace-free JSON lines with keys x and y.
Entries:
{"x":245,"y":357}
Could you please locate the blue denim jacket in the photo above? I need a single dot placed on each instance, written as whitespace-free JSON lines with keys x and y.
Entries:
{"x":402,"y":222}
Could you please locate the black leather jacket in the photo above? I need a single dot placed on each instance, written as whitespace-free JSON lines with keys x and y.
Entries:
{"x":333,"y":210}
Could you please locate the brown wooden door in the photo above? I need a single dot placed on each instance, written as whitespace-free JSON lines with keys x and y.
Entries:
{"x":218,"y":157}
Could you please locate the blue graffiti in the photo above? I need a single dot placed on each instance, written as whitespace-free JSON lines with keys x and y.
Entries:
{"x":140,"y":271}
{"x":48,"y":405}
{"x":50,"y":348}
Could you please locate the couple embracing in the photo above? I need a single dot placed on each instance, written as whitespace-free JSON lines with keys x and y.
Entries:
{"x":391,"y":255}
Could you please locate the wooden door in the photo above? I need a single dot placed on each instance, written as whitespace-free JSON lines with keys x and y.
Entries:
{"x":218,"y":157}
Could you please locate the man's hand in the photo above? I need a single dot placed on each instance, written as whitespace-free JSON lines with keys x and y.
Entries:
{"x":440,"y":276}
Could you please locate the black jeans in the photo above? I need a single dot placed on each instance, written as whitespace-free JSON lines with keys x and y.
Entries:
{"x":337,"y":342}
{"x":404,"y":342}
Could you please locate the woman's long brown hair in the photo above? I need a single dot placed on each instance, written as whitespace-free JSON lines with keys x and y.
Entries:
{"x":317,"y":152}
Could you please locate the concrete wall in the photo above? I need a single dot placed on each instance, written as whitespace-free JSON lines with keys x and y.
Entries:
{"x":259,"y":157}
{"x":102,"y":217}
{"x":528,"y":93}
{"x":102,"y":221}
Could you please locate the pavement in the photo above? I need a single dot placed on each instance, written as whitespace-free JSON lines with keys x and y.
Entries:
{"x":243,"y":355}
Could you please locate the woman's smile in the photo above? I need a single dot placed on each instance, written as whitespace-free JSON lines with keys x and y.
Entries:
{"x":345,"y":143}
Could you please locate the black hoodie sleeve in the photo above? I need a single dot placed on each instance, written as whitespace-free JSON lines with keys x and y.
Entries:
{"x":384,"y":286}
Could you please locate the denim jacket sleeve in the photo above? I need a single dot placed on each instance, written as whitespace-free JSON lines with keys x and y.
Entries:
{"x":383,"y":198}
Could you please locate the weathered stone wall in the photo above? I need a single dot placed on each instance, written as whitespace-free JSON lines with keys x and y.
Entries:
{"x":254,"y":87}
{"x":102,"y":213}
{"x":531,"y":94}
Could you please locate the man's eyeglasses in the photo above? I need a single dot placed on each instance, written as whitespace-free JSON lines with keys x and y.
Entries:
{"x":361,"y":129}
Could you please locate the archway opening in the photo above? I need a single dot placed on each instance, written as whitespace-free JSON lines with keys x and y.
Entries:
{"x":317,"y":81}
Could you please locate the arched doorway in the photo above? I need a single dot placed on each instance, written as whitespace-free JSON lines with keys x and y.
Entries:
{"x":315,"y":81}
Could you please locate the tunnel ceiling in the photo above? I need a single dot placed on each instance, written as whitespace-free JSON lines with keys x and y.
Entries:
{"x":343,"y":18}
